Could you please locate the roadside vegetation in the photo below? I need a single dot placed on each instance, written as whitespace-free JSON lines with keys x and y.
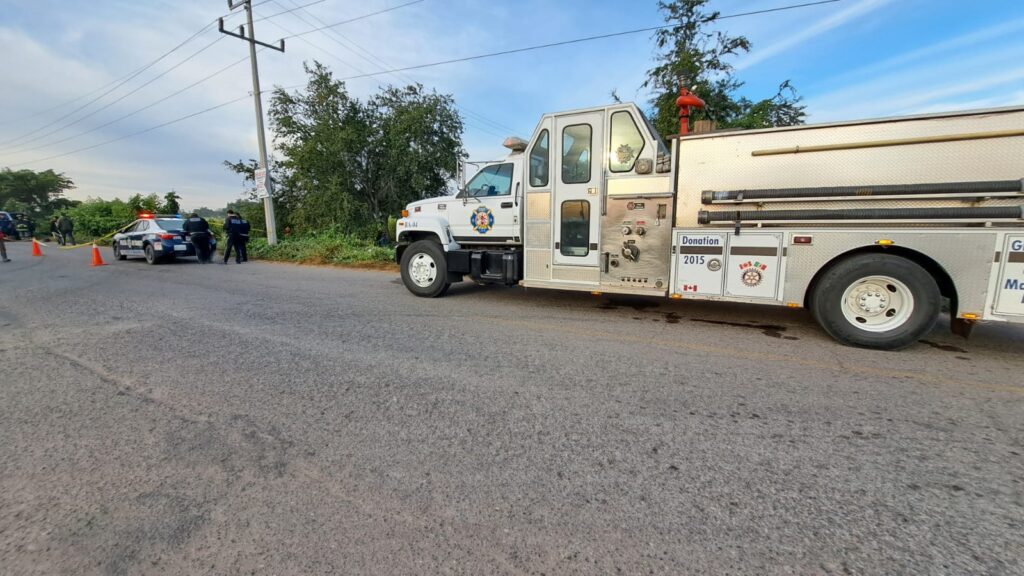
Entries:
{"x":325,"y":248}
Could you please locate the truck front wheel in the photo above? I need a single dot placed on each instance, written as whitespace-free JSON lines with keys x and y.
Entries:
{"x":425,"y":269}
{"x":876,"y":301}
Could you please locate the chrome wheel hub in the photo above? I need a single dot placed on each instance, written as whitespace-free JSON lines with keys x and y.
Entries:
{"x":422,"y":270}
{"x":877,"y":303}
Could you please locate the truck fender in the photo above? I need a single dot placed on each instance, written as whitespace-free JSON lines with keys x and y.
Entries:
{"x":409,"y":230}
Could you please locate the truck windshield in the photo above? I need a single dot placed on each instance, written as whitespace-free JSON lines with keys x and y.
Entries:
{"x":493,"y":180}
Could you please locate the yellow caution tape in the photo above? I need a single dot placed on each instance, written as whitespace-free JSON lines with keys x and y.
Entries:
{"x":90,"y":243}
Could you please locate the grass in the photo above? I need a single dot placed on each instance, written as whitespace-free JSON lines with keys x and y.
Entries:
{"x":324,"y":248}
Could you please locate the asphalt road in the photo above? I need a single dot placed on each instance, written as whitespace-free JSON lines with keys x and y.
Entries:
{"x":277,"y":419}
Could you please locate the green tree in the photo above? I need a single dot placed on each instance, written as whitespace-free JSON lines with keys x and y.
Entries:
{"x":139,"y":203}
{"x":345,"y":164}
{"x":691,"y":52}
{"x":29,"y":191}
{"x":171,"y":205}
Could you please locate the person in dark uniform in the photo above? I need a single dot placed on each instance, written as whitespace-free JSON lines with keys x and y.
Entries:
{"x":67,"y":229}
{"x":232,"y":239}
{"x":198,"y":230}
{"x":55,"y":232}
{"x":6,"y":229}
{"x":243,"y":238}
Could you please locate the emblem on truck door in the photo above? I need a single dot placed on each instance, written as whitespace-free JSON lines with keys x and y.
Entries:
{"x":482,"y":219}
{"x":751,"y":273}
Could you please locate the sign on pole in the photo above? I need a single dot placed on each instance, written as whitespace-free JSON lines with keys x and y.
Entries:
{"x":262,"y":185}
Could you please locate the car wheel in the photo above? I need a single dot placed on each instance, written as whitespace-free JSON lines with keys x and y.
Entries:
{"x":117,"y":252}
{"x":151,"y":257}
{"x":425,"y":269}
{"x":877,"y":301}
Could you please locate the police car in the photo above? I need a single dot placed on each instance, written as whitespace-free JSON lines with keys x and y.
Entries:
{"x":157,"y":238}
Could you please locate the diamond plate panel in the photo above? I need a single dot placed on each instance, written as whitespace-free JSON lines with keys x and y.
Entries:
{"x":538,"y":206}
{"x":724,"y":161}
{"x":538,"y":235}
{"x":576,"y":273}
{"x":538,"y":265}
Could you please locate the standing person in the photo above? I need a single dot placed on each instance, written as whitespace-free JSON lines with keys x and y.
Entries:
{"x":198,"y":230}
{"x":55,"y":232}
{"x":231,"y":237}
{"x":243,"y":238}
{"x":66,"y":226}
{"x":6,"y":229}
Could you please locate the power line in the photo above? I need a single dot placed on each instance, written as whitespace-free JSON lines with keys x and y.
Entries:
{"x":144,"y":108}
{"x":353,"y":66}
{"x":56,"y":107}
{"x":118,"y":84}
{"x":139,"y":133}
{"x":585,"y":39}
{"x":364,"y":16}
{"x":120,"y":98}
{"x":286,"y":9}
{"x":377,"y":61}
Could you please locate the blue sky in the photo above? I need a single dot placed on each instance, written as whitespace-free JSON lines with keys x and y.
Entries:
{"x":851,"y":59}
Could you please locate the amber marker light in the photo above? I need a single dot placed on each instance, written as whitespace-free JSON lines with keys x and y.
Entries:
{"x":884,"y":242}
{"x":405,"y":213}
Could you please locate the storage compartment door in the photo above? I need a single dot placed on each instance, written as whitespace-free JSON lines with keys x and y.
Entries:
{"x":753,"y":267}
{"x":699,"y":263}
{"x":1010,"y":291}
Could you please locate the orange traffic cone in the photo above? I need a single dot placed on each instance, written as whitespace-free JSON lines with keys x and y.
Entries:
{"x":97,"y":260}
{"x":35,"y":248}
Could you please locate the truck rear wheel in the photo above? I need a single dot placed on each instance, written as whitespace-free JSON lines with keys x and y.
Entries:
{"x":425,"y":269}
{"x":876,"y":301}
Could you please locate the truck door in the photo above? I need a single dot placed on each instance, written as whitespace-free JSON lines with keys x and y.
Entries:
{"x":579,"y":176}
{"x":487,"y":211}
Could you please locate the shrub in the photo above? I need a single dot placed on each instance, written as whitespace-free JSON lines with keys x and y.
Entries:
{"x":322,"y":248}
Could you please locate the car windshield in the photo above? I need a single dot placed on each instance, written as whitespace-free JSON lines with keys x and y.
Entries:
{"x":171,"y":225}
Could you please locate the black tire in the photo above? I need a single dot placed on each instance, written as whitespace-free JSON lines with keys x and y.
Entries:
{"x":151,"y":257}
{"x":831,"y":309}
{"x":433,"y":258}
{"x":117,"y":252}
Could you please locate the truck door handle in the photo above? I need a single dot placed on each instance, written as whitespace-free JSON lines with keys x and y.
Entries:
{"x":506,"y":204}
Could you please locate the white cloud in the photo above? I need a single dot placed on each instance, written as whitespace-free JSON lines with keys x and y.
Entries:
{"x":826,"y":24}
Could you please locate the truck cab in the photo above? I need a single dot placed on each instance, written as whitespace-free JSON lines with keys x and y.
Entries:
{"x":540,"y":217}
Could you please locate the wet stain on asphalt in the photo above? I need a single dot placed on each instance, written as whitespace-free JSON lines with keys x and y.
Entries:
{"x":944,"y":347}
{"x":671,"y":318}
{"x":638,"y":304}
{"x":773,"y":330}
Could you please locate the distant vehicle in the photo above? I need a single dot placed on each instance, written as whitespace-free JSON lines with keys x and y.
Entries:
{"x":157,"y":238}
{"x":4,"y":218}
{"x":23,"y":225}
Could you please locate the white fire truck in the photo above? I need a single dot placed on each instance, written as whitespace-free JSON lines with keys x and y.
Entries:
{"x":870,"y":224}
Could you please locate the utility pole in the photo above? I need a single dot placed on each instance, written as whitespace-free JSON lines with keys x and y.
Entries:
{"x":262,"y":177}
